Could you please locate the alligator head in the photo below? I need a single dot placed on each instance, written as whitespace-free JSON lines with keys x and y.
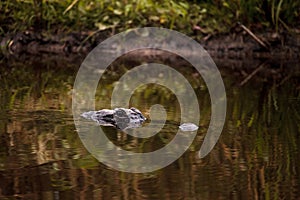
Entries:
{"x":121,"y":118}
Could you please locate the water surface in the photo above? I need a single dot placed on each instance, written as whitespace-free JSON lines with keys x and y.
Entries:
{"x":42,"y":157}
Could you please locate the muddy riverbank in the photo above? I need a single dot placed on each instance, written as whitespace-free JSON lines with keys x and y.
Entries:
{"x":239,"y":43}
{"x":265,"y":56}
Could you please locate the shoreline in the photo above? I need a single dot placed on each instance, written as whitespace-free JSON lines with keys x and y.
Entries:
{"x":237,"y":44}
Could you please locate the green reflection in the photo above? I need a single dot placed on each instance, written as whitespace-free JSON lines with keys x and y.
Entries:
{"x":256,"y":156}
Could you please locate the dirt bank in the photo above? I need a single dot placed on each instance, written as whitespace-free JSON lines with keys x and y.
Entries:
{"x":239,"y":43}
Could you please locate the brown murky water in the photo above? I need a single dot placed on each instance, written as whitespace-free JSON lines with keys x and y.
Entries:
{"x":42,"y":157}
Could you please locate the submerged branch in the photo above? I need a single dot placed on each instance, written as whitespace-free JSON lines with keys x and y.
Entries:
{"x":261,"y":66}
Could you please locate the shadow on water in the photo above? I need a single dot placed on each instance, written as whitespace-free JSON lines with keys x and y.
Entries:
{"x":42,"y":157}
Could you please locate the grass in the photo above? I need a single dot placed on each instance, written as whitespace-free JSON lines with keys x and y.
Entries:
{"x":211,"y":15}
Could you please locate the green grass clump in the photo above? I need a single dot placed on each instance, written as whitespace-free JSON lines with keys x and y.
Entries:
{"x":86,"y":15}
{"x":211,"y":15}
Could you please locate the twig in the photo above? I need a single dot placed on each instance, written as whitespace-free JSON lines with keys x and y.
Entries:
{"x":284,"y":25}
{"x":262,"y":65}
{"x":70,"y":6}
{"x":283,"y":80}
{"x":254,"y":36}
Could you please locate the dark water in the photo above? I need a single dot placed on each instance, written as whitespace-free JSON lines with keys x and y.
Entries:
{"x":42,"y":157}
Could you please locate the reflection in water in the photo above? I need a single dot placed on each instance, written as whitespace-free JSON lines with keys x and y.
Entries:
{"x":42,"y":157}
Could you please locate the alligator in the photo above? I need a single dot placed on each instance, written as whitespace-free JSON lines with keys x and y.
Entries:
{"x":121,"y":118}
